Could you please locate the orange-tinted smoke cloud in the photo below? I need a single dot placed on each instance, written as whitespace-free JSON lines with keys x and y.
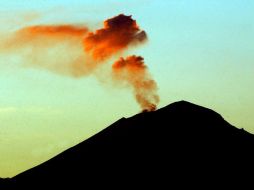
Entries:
{"x":134,"y":72}
{"x":75,"y":51}
{"x":117,"y":33}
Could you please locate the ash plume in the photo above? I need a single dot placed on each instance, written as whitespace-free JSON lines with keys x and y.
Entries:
{"x":75,"y":51}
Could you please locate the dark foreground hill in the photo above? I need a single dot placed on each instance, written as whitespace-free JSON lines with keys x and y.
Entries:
{"x":180,"y":141}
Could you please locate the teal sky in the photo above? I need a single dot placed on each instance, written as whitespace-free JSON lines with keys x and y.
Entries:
{"x":199,"y":51}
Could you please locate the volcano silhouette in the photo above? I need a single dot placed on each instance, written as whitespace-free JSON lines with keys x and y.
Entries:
{"x":148,"y":148}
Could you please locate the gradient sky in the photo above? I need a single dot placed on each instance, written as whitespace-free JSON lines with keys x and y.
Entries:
{"x":199,"y":51}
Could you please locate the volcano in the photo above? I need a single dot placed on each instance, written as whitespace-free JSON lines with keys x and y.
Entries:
{"x":180,"y":140}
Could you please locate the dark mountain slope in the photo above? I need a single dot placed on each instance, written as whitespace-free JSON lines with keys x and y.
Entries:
{"x":149,"y":148}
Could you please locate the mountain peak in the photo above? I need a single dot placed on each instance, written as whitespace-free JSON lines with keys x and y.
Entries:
{"x":185,"y":104}
{"x":184,"y":110}
{"x":179,"y":136}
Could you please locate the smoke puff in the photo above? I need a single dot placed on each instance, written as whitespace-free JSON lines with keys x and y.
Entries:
{"x":117,"y":33}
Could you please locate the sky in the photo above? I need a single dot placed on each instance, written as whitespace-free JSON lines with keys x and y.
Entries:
{"x":198,"y":51}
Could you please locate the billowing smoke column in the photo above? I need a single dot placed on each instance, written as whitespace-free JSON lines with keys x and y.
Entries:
{"x":133,"y":71}
{"x":75,"y":51}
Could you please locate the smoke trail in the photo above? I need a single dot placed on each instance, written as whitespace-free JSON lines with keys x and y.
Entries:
{"x":58,"y":30}
{"x":43,"y":36}
{"x":56,"y":48}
